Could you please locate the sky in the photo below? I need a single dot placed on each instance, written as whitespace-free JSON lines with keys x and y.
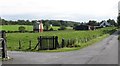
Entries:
{"x":70,"y":10}
{"x":119,"y":7}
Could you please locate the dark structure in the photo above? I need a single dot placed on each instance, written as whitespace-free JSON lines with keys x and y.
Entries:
{"x":47,"y":43}
{"x":3,"y":44}
{"x":38,"y":26}
{"x":84,"y":27}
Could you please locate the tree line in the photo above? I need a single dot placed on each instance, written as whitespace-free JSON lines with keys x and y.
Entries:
{"x":59,"y":22}
{"x":45,"y":22}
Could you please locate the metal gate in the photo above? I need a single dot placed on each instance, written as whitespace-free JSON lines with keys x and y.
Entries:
{"x":3,"y":46}
{"x":1,"y":39}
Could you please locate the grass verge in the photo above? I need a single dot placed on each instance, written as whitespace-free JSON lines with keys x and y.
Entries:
{"x":65,"y":49}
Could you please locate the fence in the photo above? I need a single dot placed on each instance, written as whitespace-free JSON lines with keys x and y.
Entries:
{"x":51,"y":42}
{"x":76,"y":42}
{"x":47,"y":43}
{"x":68,"y":43}
{"x":3,"y":46}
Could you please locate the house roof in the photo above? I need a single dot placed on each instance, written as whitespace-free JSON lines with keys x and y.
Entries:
{"x":104,"y":23}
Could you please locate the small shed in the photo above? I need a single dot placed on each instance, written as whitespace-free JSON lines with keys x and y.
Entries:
{"x":38,"y":26}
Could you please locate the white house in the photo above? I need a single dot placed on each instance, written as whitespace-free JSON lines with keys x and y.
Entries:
{"x":104,"y":24}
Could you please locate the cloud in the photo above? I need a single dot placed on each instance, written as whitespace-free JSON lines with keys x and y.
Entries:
{"x":59,"y":9}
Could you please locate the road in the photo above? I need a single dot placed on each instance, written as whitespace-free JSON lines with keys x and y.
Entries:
{"x":103,"y":52}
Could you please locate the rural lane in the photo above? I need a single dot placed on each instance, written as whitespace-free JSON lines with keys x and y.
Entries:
{"x":103,"y":52}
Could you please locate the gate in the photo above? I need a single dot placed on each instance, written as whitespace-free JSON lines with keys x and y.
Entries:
{"x":47,"y":42}
{"x":3,"y":46}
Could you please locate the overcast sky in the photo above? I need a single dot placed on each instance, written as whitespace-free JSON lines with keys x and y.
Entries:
{"x":71,"y":10}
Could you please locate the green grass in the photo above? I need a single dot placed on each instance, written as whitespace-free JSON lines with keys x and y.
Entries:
{"x":77,"y":48}
{"x":15,"y":27}
{"x":28,"y":27}
{"x":13,"y":38}
{"x":66,"y":49}
{"x":55,"y":27}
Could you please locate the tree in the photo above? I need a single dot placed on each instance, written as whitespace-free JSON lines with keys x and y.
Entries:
{"x":118,"y":20}
{"x":4,"y":22}
{"x":51,"y":29}
{"x":21,"y":29}
{"x":92,"y":23}
{"x":54,"y":22}
{"x":111,"y":22}
{"x":62,"y":28}
{"x":47,"y":25}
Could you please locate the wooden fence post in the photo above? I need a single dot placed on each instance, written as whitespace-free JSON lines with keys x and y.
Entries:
{"x":63,"y":42}
{"x":68,"y":42}
{"x":4,"y":45}
{"x":56,"y":42}
{"x":30,"y":44}
{"x":19,"y":44}
{"x":40,"y":43}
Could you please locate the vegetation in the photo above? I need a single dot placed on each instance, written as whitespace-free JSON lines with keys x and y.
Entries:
{"x":21,"y":29}
{"x":46,"y":26}
{"x":62,"y":28}
{"x":27,"y":27}
{"x":77,"y":48}
{"x":15,"y":27}
{"x":93,"y":23}
{"x":118,"y":20}
{"x":46,"y":23}
{"x":112,"y":22}
{"x":81,"y":36}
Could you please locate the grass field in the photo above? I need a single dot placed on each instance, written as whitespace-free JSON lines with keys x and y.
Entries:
{"x":28,"y":27}
{"x":13,"y":38}
{"x":15,"y":27}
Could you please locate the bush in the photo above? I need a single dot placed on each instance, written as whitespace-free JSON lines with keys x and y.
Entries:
{"x":21,"y":29}
{"x":62,"y":28}
{"x":51,"y":29}
{"x":119,"y":38}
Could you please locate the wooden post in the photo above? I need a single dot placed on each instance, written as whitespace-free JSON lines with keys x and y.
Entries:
{"x":4,"y":45}
{"x":19,"y":44}
{"x":40,"y":43}
{"x":68,"y":42}
{"x":30,"y":44}
{"x":48,"y":43}
{"x":53,"y":42}
{"x":56,"y":42}
{"x":63,"y":42}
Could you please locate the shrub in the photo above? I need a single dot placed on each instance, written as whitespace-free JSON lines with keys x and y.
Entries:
{"x":51,"y":29}
{"x":21,"y":29}
{"x":62,"y":28}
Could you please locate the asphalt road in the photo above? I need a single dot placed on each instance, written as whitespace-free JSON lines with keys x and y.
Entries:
{"x":103,"y":52}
